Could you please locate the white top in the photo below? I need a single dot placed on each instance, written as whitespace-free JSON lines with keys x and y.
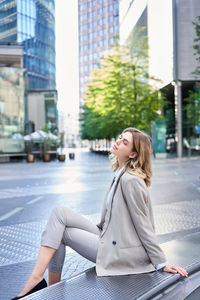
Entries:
{"x":117,"y":174}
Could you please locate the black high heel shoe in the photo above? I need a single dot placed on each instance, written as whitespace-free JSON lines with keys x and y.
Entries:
{"x":41,"y":285}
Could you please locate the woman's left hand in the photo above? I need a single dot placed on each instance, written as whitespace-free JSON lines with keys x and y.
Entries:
{"x":175,"y":269}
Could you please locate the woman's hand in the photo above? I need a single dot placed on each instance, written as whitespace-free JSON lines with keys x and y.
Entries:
{"x":175,"y":269}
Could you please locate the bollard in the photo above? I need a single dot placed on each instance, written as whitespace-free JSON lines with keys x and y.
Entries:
{"x":71,"y":155}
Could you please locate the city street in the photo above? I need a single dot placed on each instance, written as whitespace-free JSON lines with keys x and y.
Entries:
{"x":28,"y":192}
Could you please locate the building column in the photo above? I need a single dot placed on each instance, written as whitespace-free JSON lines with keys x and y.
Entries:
{"x":178,"y":117}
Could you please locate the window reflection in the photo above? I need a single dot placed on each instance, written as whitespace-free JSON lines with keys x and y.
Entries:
{"x":12,"y":94}
{"x":32,"y":24}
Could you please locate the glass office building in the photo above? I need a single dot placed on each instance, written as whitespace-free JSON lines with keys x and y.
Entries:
{"x":98,"y":27}
{"x":13,"y":83}
{"x":31,"y":23}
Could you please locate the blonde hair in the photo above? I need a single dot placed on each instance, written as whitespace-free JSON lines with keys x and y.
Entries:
{"x":141,"y":164}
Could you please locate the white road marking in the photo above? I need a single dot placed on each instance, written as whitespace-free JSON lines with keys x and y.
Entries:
{"x":50,"y":189}
{"x":34,"y":200}
{"x":11,"y":213}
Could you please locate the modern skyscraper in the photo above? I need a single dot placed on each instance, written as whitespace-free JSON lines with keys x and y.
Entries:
{"x":31,"y":23}
{"x":98,"y":25}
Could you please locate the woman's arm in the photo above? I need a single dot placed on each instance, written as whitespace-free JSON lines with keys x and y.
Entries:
{"x":136,"y":198}
{"x":134,"y":194}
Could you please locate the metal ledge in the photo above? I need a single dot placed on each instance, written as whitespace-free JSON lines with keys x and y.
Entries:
{"x":155,"y":285}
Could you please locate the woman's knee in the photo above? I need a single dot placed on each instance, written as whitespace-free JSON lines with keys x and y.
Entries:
{"x":58,"y":210}
{"x":60,"y":213}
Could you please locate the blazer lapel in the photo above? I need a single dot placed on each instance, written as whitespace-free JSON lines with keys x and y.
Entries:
{"x":103,"y":211}
{"x":108,"y":211}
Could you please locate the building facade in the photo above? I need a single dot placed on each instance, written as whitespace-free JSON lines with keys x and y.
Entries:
{"x":170,"y":35}
{"x":13,"y":99}
{"x":32,"y":24}
{"x":98,"y":28}
{"x":43,"y":109}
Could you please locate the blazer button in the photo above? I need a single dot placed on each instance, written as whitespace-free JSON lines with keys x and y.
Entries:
{"x":114,"y":242}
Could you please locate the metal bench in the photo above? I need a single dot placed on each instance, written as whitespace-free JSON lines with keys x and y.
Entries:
{"x":155,"y":285}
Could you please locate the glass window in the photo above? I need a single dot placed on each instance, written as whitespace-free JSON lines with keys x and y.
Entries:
{"x":111,"y":30}
{"x":12,"y":99}
{"x":116,"y":29}
{"x":94,"y":24}
{"x":100,"y":22}
{"x":111,"y":41}
{"x":111,"y":19}
{"x":100,"y":11}
{"x":94,"y":14}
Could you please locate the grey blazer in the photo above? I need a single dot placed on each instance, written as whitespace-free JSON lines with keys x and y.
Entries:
{"x":128,"y":244}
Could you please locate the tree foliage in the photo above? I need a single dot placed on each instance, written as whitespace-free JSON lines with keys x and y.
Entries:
{"x":119,"y":94}
{"x":196,"y":45}
{"x":191,"y":110}
{"x":191,"y":107}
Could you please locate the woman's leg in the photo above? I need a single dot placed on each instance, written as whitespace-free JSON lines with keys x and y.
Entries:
{"x":43,"y":259}
{"x":83,"y":242}
{"x":60,"y":219}
{"x":56,"y":263}
{"x":53,"y":277}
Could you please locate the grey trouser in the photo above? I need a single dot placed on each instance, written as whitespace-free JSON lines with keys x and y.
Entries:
{"x":67,"y":228}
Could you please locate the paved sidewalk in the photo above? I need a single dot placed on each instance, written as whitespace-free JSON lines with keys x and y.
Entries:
{"x":29,"y":192}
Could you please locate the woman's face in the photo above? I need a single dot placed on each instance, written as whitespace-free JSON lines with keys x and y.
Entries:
{"x":123,"y":147}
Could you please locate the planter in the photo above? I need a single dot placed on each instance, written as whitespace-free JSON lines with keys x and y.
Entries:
{"x":61,"y":157}
{"x":71,"y":155}
{"x":30,"y":158}
{"x":46,"y":157}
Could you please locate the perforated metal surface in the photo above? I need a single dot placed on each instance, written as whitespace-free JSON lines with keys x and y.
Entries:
{"x":13,"y":237}
{"x":177,"y":216}
{"x":88,"y":286}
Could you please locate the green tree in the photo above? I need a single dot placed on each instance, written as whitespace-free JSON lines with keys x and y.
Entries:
{"x":191,"y":107}
{"x":191,"y":111}
{"x":119,"y":94}
{"x":196,"y":45}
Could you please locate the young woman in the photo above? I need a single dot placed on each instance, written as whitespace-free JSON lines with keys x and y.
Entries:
{"x":124,"y":242}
